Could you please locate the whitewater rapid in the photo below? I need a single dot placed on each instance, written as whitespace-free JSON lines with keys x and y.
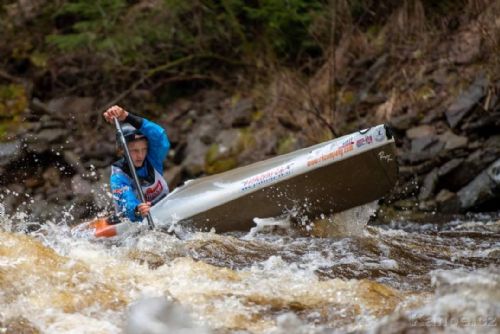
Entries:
{"x":276,"y":279}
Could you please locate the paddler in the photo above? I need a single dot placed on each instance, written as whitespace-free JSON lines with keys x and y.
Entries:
{"x":148,"y":145}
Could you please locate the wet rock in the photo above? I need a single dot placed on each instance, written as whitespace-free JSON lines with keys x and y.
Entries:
{"x":474,"y":164}
{"x":429,"y":185}
{"x":408,"y":171}
{"x":9,"y":152}
{"x":452,"y":141}
{"x":228,"y":141}
{"x":47,"y":122}
{"x":447,"y":174}
{"x":205,"y":135}
{"x":80,"y":107}
{"x":42,"y":141}
{"x":404,"y":121}
{"x":51,"y":135}
{"x":222,"y":155}
{"x":483,"y":188}
{"x":494,"y":172}
{"x":447,"y":201}
{"x":194,"y":163}
{"x":449,"y":166}
{"x":485,"y":122}
{"x":258,"y":145}
{"x":421,"y":131}
{"x":466,"y":101}
{"x":425,"y":148}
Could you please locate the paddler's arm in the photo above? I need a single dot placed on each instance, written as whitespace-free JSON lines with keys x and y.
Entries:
{"x":124,"y":197}
{"x":158,"y":143}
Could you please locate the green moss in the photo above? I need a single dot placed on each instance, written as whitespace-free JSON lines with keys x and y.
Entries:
{"x":39,"y":59}
{"x":212,"y":154}
{"x":13,"y":100}
{"x":346,"y":97}
{"x":286,"y":144}
{"x":187,"y":123}
{"x":221,"y":165}
{"x":214,"y":163}
{"x":257,"y":115}
{"x":246,"y":140}
{"x":6,"y":127}
{"x":326,"y":135}
{"x":425,"y":93}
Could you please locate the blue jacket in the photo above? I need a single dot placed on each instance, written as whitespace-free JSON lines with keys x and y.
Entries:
{"x":122,"y":184}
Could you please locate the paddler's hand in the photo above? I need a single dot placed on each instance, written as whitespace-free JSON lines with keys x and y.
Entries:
{"x":115,"y":112}
{"x":143,"y":208}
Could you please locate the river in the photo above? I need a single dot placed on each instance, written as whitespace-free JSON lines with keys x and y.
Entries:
{"x":356,"y":278}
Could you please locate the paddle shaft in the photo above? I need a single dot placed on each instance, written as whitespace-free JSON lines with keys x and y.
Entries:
{"x":132,"y":170}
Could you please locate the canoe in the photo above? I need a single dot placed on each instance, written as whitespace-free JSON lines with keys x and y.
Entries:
{"x":326,"y":178}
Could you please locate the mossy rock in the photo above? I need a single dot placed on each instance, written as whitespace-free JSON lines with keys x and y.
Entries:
{"x":218,"y":160}
{"x":221,"y":165}
{"x":246,"y":140}
{"x":212,"y":154}
{"x":13,"y":100}
{"x":286,"y":144}
{"x":215,"y":162}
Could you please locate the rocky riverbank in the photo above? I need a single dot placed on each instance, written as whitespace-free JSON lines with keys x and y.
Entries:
{"x":441,"y":97}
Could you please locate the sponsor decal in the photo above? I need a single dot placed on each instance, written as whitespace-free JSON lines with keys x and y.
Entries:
{"x":337,"y":153}
{"x":383,"y":156}
{"x":365,"y":140}
{"x":267,"y":177}
{"x":349,"y":141}
{"x":379,"y":134}
{"x":119,"y":191}
{"x":153,"y":191}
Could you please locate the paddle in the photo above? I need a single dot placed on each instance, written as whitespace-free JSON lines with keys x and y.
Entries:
{"x":132,"y":170}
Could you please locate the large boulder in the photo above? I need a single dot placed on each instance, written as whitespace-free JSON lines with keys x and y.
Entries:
{"x":466,"y":101}
{"x":202,"y":136}
{"x":9,"y":152}
{"x":483,"y":188}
